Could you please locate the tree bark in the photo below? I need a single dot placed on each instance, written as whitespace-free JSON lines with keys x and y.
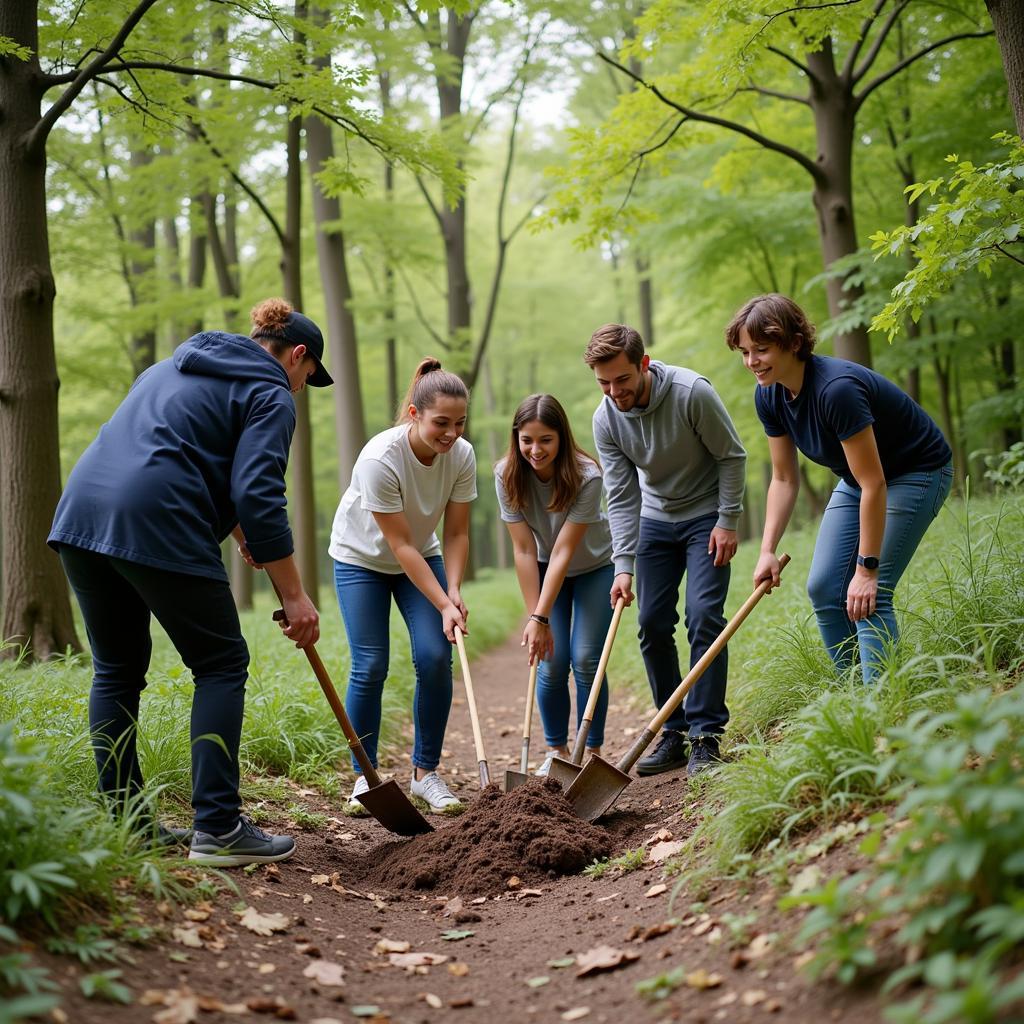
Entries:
{"x":1008,"y":21}
{"x":645,"y":298}
{"x":390,"y":341}
{"x":303,"y":505}
{"x":196,"y":258}
{"x":835,"y":113}
{"x":34,"y":594}
{"x":142,"y":261}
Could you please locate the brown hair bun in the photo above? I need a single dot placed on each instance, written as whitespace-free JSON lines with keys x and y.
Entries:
{"x":270,"y":317}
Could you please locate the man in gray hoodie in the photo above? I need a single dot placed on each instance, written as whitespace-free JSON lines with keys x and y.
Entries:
{"x":674,"y":473}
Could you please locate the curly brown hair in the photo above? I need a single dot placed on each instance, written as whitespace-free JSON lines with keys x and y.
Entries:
{"x":269,"y":319}
{"x":776,"y":320}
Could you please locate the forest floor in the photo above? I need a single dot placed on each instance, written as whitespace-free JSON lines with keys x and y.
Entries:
{"x":342,"y":949}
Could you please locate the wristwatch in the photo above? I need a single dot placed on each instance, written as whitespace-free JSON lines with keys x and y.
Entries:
{"x":543,"y":619}
{"x":868,"y":561}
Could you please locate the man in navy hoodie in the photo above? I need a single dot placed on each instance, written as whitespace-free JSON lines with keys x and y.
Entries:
{"x":674,"y":473}
{"x":196,"y":451}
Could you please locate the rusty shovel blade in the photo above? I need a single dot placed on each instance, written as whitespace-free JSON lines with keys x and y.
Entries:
{"x":564,"y":772}
{"x":514,"y":779}
{"x":394,"y":810}
{"x":596,"y":788}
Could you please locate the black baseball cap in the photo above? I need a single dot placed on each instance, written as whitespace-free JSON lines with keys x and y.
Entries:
{"x":300,"y":330}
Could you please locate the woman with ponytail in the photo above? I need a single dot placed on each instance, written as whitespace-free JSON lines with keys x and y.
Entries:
{"x":196,"y":451}
{"x":549,"y":490}
{"x":384,"y":546}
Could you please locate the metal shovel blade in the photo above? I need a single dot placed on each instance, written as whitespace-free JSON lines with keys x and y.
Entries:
{"x":394,"y":810}
{"x":513,"y":779}
{"x":564,"y":772}
{"x":596,"y":788}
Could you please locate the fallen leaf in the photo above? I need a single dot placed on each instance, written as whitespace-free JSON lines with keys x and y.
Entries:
{"x":576,"y":1013}
{"x":715,"y":936}
{"x":460,"y":1002}
{"x":178,"y":957}
{"x":436,"y":1002}
{"x":610,"y":896}
{"x":753,"y":996}
{"x":453,"y":906}
{"x":807,"y":879}
{"x":479,"y":900}
{"x":773,"y":1006}
{"x":514,"y":882}
{"x":804,"y":959}
{"x":657,"y":929}
{"x":325,"y":972}
{"x":211,"y":1004}
{"x":391,"y":946}
{"x":308,"y":949}
{"x":306,"y":898}
{"x":365,"y":1010}
{"x":727,"y":1000}
{"x":182,"y":1007}
{"x":538,"y":982}
{"x":410,"y":960}
{"x":267,"y":968}
{"x":456,"y":934}
{"x":262,"y":924}
{"x":187,"y":937}
{"x":320,"y":879}
{"x":603,"y":958}
{"x":705,"y":925}
{"x":760,"y":945}
{"x":197,"y":915}
{"x":656,"y":890}
{"x":702,"y":979}
{"x":271,"y":1004}
{"x":459,"y":969}
{"x":565,"y":961}
{"x":663,"y":850}
{"x":523,"y":893}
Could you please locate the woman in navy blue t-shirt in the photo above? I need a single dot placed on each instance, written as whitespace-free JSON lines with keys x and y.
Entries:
{"x":893,"y":462}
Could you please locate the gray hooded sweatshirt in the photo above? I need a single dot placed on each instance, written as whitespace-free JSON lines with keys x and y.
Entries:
{"x":677,"y":459}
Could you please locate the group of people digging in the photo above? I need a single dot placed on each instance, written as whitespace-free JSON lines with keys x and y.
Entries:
{"x":199,"y":447}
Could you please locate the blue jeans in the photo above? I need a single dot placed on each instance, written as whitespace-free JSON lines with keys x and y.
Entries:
{"x":198,"y":613}
{"x":580,"y":618}
{"x":665,"y":553}
{"x":912,"y":502}
{"x":365,"y":599}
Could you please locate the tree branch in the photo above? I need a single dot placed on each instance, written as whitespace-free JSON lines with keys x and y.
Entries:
{"x":793,"y":10}
{"x":430,"y":202}
{"x":1016,"y":259}
{"x":791,"y":97}
{"x":907,"y":61}
{"x":792,"y":60}
{"x":695,"y":115}
{"x":857,"y":73}
{"x":438,"y":340}
{"x":38,"y":135}
{"x":862,"y":36}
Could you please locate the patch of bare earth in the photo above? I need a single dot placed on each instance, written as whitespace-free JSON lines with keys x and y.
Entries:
{"x":361,"y":926}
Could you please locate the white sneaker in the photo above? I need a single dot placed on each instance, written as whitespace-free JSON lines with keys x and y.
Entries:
{"x":545,"y":766}
{"x":432,"y":789}
{"x":354,"y":806}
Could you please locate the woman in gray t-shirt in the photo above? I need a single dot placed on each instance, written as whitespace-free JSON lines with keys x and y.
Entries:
{"x":549,"y":491}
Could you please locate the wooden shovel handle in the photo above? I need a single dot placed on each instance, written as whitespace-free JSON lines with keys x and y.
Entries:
{"x":595,"y":688}
{"x":478,"y":739}
{"x":680,"y":692}
{"x":531,"y":687}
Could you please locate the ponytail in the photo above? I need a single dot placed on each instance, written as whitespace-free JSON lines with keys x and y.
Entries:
{"x":427,"y":384}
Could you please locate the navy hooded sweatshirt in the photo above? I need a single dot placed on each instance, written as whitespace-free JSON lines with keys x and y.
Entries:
{"x":199,"y":444}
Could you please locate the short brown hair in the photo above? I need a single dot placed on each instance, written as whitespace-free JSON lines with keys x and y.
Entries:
{"x":775,"y":320}
{"x":611,"y":339}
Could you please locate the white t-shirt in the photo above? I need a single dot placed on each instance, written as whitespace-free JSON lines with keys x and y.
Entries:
{"x":387,"y":477}
{"x":594,"y":550}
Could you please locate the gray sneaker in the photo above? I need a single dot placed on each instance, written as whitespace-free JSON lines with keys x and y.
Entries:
{"x":246,"y":845}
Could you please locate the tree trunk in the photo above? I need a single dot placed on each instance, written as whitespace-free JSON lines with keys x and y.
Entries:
{"x":390,"y":341}
{"x":341,"y":325}
{"x":142,"y":260}
{"x":173,"y":244}
{"x":196,"y":259}
{"x":1008,"y":20}
{"x":645,"y":299}
{"x":303,"y":504}
{"x":834,"y":120}
{"x":36,"y":610}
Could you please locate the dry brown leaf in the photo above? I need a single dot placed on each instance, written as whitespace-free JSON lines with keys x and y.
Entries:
{"x":727,"y":1000}
{"x":411,"y":960}
{"x":182,"y":1007}
{"x":657,"y":929}
{"x":603,"y":958}
{"x":306,"y":898}
{"x":152,"y":997}
{"x":704,"y":925}
{"x":663,"y":850}
{"x":753,"y":996}
{"x":459,"y":969}
{"x":759,"y":945}
{"x":390,"y":946}
{"x":479,"y":900}
{"x":576,"y":1013}
{"x":435,"y":1002}
{"x":807,"y":879}
{"x":661,"y":836}
{"x":267,"y":968}
{"x":187,"y":937}
{"x":514,"y":882}
{"x":461,"y":1002}
{"x":211,"y":1004}
{"x":165,"y":909}
{"x":58,"y":1016}
{"x":523,"y":893}
{"x":453,"y":906}
{"x":197,"y":915}
{"x":320,"y":879}
{"x":656,"y":890}
{"x":325,"y":972}
{"x":702,"y":979}
{"x":803,"y":959}
{"x":272,"y":1004}
{"x":262,"y":924}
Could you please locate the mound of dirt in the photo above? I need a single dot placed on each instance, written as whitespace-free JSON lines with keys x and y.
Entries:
{"x":532,"y":833}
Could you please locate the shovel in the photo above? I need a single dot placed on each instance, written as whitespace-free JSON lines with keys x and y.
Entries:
{"x":512,"y":778}
{"x":600,"y":783}
{"x":478,"y":740}
{"x":384,"y":800}
{"x":563,"y":771}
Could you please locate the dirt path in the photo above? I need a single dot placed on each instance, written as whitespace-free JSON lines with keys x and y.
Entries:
{"x":733,"y":947}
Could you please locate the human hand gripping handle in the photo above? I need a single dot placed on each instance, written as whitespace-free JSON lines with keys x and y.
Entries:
{"x":622,"y":589}
{"x":298,"y":618}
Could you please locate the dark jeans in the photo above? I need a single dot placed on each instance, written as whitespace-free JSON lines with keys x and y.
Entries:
{"x":665,"y":553}
{"x":365,"y":599}
{"x":198,"y":614}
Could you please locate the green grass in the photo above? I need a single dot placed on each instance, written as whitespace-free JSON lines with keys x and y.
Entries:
{"x":623,"y":864}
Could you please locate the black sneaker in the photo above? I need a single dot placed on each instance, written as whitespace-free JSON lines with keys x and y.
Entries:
{"x":168,"y":836}
{"x":703,"y":755}
{"x":668,"y":754}
{"x":246,"y":845}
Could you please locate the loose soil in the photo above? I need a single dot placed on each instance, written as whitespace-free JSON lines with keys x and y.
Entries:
{"x":483,"y":921}
{"x":531,"y":834}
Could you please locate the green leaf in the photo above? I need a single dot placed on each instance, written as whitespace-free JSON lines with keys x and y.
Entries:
{"x":365,"y":1010}
{"x":539,"y":981}
{"x":565,"y":961}
{"x":456,"y":934}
